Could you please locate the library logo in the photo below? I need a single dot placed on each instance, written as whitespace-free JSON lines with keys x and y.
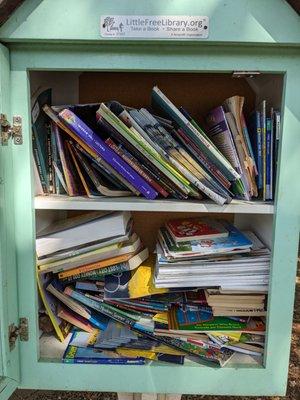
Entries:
{"x":109,"y":24}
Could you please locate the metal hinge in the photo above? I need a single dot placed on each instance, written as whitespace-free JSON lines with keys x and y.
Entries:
{"x":245,"y":74}
{"x":15,"y":332}
{"x":7,"y":130}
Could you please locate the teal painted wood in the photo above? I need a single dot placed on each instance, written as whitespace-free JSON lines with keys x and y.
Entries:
{"x":255,"y":21}
{"x":8,"y":275}
{"x":7,"y":387}
{"x":270,"y":380}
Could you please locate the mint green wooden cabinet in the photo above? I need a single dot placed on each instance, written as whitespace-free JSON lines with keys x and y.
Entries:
{"x":51,"y":43}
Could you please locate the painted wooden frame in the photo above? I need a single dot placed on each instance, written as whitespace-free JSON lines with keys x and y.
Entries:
{"x":196,"y":57}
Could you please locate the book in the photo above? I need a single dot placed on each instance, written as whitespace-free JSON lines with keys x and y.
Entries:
{"x":67,"y":173}
{"x":263,"y":122}
{"x":269,"y":159}
{"x":98,"y":182}
{"x":59,"y":181}
{"x":220,"y":134}
{"x":139,"y":255}
{"x":132,"y":284}
{"x":187,"y":229}
{"x":86,"y":134}
{"x":135,"y":165}
{"x":118,"y":268}
{"x":97,"y":320}
{"x":205,"y":145}
{"x":142,"y":146}
{"x":40,"y":136}
{"x":74,"y":319}
{"x":256,"y":140}
{"x":80,"y":355}
{"x":51,"y":304}
{"x":114,"y":224}
{"x":84,"y":250}
{"x":235,"y":241}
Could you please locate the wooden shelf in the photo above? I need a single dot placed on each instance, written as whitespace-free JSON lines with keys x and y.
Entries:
{"x":141,"y":204}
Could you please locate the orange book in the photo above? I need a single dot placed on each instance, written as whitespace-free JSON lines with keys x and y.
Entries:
{"x":95,"y":265}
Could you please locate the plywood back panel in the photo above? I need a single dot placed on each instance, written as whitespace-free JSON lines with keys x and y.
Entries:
{"x":196,"y":92}
{"x":146,"y":224}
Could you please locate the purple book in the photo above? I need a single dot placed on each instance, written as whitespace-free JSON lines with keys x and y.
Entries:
{"x":98,"y":145}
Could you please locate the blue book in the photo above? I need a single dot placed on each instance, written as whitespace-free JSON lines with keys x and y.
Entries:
{"x":256,"y":140}
{"x":269,"y":161}
{"x":88,"y":355}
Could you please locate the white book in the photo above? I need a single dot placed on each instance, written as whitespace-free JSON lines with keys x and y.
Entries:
{"x":109,"y":226}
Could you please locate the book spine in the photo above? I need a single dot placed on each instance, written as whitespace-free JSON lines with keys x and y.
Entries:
{"x":99,"y":273}
{"x":99,"y":164}
{"x":151,"y":168}
{"x":206,"y":146}
{"x":143,"y":147}
{"x":89,"y":137}
{"x":263,"y":135}
{"x":49,"y":161}
{"x":66,"y":172}
{"x":36,"y":155}
{"x":201,"y":157}
{"x":268,"y":158}
{"x":133,"y":163}
{"x":259,"y":150}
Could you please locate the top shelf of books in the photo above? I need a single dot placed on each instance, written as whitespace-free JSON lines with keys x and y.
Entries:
{"x":141,"y":204}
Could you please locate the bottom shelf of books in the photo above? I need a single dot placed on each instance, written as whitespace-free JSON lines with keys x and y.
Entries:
{"x":125,"y":288}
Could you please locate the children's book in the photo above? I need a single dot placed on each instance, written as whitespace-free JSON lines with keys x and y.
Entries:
{"x":236,"y":241}
{"x":187,"y":229}
{"x":89,"y":355}
{"x":263,"y":119}
{"x":269,"y":159}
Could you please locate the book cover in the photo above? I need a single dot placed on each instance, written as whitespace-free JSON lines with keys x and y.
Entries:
{"x":235,"y":240}
{"x":40,"y":137}
{"x":136,"y":166}
{"x":195,"y":229}
{"x":263,"y":122}
{"x":220,"y":134}
{"x":141,"y":146}
{"x":269,"y":161}
{"x":196,"y":135}
{"x":118,"y":268}
{"x":61,"y":327}
{"x":68,"y":176}
{"x":132,"y":284}
{"x":97,"y":144}
{"x":256,"y":140}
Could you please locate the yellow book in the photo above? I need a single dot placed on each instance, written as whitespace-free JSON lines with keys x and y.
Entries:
{"x":61,"y":327}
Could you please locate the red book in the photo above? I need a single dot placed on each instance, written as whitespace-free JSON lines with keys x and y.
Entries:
{"x":183,"y":230}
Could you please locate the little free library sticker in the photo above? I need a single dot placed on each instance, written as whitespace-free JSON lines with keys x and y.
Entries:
{"x":154,"y":26}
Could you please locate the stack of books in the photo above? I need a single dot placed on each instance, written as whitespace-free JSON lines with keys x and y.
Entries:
{"x":101,"y":283}
{"x":109,"y":149}
{"x":202,"y":252}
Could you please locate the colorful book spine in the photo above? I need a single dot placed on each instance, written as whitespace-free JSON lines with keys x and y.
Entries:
{"x":256,"y":139}
{"x":67,"y":173}
{"x":97,"y":144}
{"x":38,"y":162}
{"x":50,"y":168}
{"x":134,"y":164}
{"x":205,"y":145}
{"x":263,"y":136}
{"x":94,"y":266}
{"x":100,"y":273}
{"x":269,"y":161}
